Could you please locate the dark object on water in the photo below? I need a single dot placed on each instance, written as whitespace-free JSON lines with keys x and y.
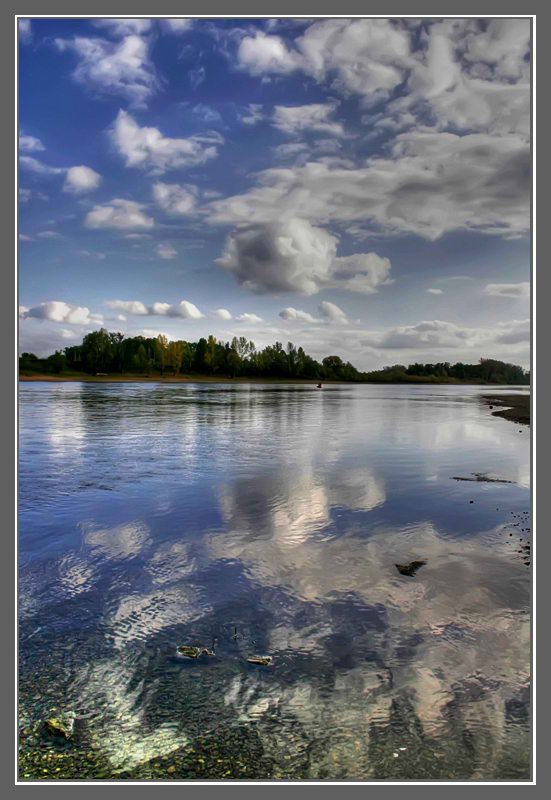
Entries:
{"x":61,"y":726}
{"x":264,"y":661}
{"x":319,"y":386}
{"x":194,"y":652}
{"x":235,"y":634}
{"x":410,"y":569}
{"x":480,"y":477}
{"x":471,"y":501}
{"x":490,"y":406}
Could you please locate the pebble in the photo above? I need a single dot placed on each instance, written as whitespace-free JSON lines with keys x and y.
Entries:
{"x":171,"y":769}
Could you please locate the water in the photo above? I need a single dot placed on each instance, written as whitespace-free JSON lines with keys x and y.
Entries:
{"x":158,"y":515}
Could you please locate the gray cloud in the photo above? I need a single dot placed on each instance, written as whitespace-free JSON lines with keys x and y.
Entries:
{"x":295,"y":256}
{"x":508,"y":289}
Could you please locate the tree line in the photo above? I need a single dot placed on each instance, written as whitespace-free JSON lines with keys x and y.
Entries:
{"x":104,"y":352}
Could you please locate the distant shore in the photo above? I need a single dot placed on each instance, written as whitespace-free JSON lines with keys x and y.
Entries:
{"x":519,"y":410}
{"x":73,"y":377}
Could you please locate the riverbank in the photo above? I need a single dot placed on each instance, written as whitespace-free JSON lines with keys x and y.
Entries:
{"x":518,"y":410}
{"x":129,"y":378}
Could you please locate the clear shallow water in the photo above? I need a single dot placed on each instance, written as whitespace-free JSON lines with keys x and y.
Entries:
{"x":155,"y":515}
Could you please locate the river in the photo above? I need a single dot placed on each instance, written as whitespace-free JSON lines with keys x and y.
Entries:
{"x":268,"y":519}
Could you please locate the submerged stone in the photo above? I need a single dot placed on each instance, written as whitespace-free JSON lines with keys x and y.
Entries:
{"x":61,"y":726}
{"x":409,"y":569}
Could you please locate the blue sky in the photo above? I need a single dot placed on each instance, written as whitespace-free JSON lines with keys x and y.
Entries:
{"x":355,"y":186}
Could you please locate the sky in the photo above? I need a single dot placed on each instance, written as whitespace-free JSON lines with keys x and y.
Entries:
{"x":359,"y":187}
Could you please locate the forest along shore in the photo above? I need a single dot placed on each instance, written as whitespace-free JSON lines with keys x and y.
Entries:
{"x":519,"y":407}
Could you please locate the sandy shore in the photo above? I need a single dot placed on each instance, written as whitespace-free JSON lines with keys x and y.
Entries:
{"x":518,"y":407}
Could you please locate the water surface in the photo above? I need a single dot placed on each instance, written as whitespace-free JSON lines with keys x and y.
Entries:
{"x":156,"y":515}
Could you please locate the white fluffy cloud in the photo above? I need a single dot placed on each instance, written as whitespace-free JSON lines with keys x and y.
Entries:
{"x":332,"y":313}
{"x":57,"y":311}
{"x":148,"y":148}
{"x":166,"y":251}
{"x":435,"y":291}
{"x":471,"y":74}
{"x":81,"y":179}
{"x":30,"y":143}
{"x":184,"y":310}
{"x":430,"y":183}
{"x":249,"y":318}
{"x":296,"y":315}
{"x":367,"y":57}
{"x":295,"y":256}
{"x":118,"y":214}
{"x":77,"y":179}
{"x":508,"y":289}
{"x":177,"y":26}
{"x":294,"y":120}
{"x":222,"y":313}
{"x":122,"y":68}
{"x":176,"y":199}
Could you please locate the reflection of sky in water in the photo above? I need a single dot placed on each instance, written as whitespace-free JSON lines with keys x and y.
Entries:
{"x":154,"y":515}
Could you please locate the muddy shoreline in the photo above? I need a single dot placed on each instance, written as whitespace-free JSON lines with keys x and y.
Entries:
{"x":518,"y":407}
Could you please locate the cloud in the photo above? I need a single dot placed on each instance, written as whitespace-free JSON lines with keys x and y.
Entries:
{"x":136,"y":236}
{"x":284,"y":151}
{"x":517,"y":332}
{"x":33,"y":165}
{"x":470,"y":74}
{"x":77,"y":179}
{"x":176,"y":199}
{"x":206,"y":113}
{"x":294,"y":120}
{"x":435,"y":334}
{"x":428,"y":184}
{"x":81,"y":179}
{"x":30,"y":144}
{"x":254,"y":115}
{"x":197,"y":76}
{"x":332,"y":313}
{"x":508,"y":289}
{"x":57,"y":311}
{"x":222,"y":313}
{"x":147,"y":147}
{"x":27,"y":194}
{"x":118,"y":214}
{"x":120,"y":68}
{"x":249,"y":318}
{"x":49,"y":235}
{"x":24,"y":238}
{"x":134,"y":307}
{"x":295,"y":315}
{"x":435,"y":291}
{"x":25,"y":31}
{"x":294,"y":256}
{"x":124,"y":27}
{"x":165,"y":250}
{"x":177,"y":26}
{"x":366,"y":57}
{"x":183,"y":310}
